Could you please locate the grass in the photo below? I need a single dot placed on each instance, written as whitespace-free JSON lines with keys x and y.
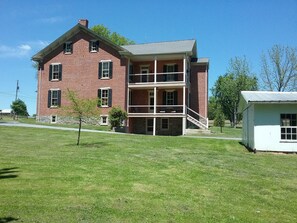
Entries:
{"x":45,"y":177}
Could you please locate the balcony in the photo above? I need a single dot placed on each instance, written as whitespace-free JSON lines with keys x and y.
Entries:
{"x":161,"y":110}
{"x":168,"y":78}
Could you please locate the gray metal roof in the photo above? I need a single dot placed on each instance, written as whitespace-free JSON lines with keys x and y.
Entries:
{"x":182,"y":46}
{"x":269,"y":96}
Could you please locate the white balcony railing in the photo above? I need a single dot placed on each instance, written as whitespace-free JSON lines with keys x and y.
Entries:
{"x":156,"y":78}
{"x":160,"y":109}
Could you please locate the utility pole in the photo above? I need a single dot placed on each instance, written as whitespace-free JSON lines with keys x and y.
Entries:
{"x":17,"y":90}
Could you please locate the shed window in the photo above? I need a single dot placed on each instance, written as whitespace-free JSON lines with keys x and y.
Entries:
{"x":288,"y":126}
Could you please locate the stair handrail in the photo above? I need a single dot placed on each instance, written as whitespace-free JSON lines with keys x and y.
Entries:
{"x":200,"y":116}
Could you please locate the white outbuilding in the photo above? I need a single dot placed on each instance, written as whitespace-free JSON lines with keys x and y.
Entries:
{"x":269,"y":120}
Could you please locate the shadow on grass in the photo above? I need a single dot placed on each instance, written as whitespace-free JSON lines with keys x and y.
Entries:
{"x":8,"y":219}
{"x":89,"y":144}
{"x":6,"y":173}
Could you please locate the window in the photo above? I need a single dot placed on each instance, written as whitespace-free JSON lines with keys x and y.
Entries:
{"x":104,"y":120}
{"x":170,"y":97}
{"x":105,"y":70}
{"x":94,"y":46}
{"x":54,"y":119}
{"x":68,"y":48}
{"x":105,"y":97}
{"x":54,"y":98}
{"x":170,"y":69}
{"x":164,"y":123}
{"x":288,"y":126}
{"x":55,"y":72}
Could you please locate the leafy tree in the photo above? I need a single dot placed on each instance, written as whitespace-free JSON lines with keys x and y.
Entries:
{"x":19,"y":108}
{"x":228,"y":87}
{"x":81,"y":109}
{"x":219,"y":119}
{"x":112,"y":36}
{"x":117,"y":116}
{"x":212,"y":107}
{"x":279,"y":69}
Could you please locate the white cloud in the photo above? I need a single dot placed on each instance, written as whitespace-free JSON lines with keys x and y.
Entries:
{"x":52,"y":20}
{"x":22,"y":50}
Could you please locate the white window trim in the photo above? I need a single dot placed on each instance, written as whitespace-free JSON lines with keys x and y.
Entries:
{"x":56,"y":118}
{"x":94,"y":51}
{"x":101,"y":118}
{"x":55,"y":64}
{"x":105,"y":61}
{"x":68,"y":42}
{"x":105,"y":88}
{"x":53,"y":89}
{"x":162,"y":125}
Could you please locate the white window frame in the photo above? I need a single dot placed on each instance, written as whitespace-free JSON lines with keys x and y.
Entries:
{"x":54,"y":119}
{"x":106,"y":98}
{"x":288,"y":127}
{"x":68,"y":48}
{"x":55,"y":72}
{"x":170,"y":99}
{"x":170,"y":76}
{"x":94,"y":48}
{"x":162,"y":119}
{"x":102,"y":117}
{"x":54,"y":98}
{"x":103,"y":62}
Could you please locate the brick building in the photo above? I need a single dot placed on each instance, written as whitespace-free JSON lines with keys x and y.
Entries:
{"x":162,"y":86}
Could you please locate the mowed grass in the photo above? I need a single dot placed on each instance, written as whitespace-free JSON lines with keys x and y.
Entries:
{"x":45,"y":177}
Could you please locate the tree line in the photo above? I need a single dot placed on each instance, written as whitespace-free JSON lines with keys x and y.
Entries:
{"x":278,"y":73}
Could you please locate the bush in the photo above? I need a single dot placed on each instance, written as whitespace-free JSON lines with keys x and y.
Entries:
{"x":117,"y":116}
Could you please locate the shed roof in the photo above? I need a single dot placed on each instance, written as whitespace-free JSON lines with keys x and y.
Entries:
{"x":269,"y":96}
{"x":181,"y":46}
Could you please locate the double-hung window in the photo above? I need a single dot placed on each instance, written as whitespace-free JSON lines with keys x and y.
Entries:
{"x":170,"y":97}
{"x":170,"y":71}
{"x":54,"y":98}
{"x":288,"y":126}
{"x":105,"y":70}
{"x":164,"y":123}
{"x":68,"y":48}
{"x":55,"y":72}
{"x":94,"y":46}
{"x":105,"y":97}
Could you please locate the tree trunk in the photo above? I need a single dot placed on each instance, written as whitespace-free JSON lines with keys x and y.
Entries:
{"x":79,"y":129}
{"x":235,"y":118}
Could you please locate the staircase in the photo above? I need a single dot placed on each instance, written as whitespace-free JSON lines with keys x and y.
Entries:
{"x":198,"y":120}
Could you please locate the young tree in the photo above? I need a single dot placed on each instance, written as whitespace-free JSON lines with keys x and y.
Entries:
{"x":228,"y":87}
{"x":80,"y":109}
{"x":219,"y":119}
{"x":112,"y":36}
{"x":19,"y":108}
{"x":117,"y":116}
{"x":279,"y":69}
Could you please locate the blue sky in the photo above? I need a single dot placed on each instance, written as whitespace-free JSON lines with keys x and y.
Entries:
{"x":223,"y":29}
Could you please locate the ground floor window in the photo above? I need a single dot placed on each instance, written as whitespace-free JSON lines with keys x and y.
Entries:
{"x":54,"y":119}
{"x":164,"y":123}
{"x":288,"y":126}
{"x":104,"y":120}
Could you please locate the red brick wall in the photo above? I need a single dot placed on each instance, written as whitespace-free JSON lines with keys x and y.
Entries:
{"x":199,"y":89}
{"x":80,"y":73}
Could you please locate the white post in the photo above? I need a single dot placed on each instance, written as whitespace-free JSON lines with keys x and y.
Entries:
{"x":128,"y":90}
{"x":154,"y":126}
{"x":155,"y":100}
{"x":185,"y":67}
{"x":184,"y":96}
{"x":155,"y":70}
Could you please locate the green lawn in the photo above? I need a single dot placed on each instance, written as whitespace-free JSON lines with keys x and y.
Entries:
{"x":45,"y":177}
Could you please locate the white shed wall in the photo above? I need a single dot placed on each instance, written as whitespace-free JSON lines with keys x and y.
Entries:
{"x":267,"y":132}
{"x":248,"y":127}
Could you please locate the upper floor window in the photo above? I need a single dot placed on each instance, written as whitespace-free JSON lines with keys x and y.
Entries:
{"x":105,"y":97}
{"x":54,"y":98}
{"x":68,"y":48}
{"x":55,"y":72}
{"x":170,"y":97}
{"x":105,"y":70}
{"x":94,"y":46}
{"x":288,"y":126}
{"x":171,"y":69}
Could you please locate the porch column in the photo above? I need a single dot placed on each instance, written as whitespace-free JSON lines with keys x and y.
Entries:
{"x":155,"y":70}
{"x":184,"y":125}
{"x":185,"y":68}
{"x":155,"y":100}
{"x":184,"y":95}
{"x":128,"y":90}
{"x":154,"y":126}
